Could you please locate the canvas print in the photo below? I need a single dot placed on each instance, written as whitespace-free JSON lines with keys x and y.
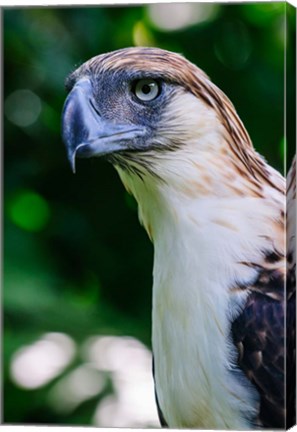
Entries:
{"x":150,"y":206}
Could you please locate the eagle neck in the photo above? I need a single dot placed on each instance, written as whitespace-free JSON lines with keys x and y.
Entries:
{"x":199,"y":245}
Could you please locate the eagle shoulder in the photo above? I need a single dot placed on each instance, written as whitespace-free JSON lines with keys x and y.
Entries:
{"x":259,"y":335}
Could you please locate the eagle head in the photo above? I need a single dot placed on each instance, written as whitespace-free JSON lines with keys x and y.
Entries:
{"x":138,"y":106}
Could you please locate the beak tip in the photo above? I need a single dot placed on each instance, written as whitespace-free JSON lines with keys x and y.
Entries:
{"x":72,"y":161}
{"x":73,"y":167}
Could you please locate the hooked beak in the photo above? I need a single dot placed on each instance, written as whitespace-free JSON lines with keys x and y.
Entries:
{"x":85,"y":133}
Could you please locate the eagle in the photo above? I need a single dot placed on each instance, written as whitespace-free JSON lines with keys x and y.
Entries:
{"x":223,"y":307}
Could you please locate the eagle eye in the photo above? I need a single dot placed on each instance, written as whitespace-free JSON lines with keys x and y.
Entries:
{"x":146,"y":89}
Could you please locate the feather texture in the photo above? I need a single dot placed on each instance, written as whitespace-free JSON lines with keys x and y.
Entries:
{"x":215,"y":211}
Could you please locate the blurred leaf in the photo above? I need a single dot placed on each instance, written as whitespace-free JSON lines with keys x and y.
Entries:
{"x":29,"y":211}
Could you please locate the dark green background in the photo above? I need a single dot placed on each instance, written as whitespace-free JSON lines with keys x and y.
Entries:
{"x":76,"y":260}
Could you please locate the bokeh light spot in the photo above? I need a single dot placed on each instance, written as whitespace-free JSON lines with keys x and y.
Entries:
{"x":130,"y":363}
{"x":29,"y":211}
{"x":79,"y":385}
{"x":175,"y":16}
{"x":35,"y":365}
{"x":233,"y":45}
{"x":22,"y":108}
{"x":141,"y":35}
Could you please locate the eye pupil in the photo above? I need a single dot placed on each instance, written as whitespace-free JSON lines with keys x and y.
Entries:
{"x":146,"y":90}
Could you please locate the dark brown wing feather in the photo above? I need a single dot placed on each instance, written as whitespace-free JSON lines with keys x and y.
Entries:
{"x":258,"y":333}
{"x":264,"y":334}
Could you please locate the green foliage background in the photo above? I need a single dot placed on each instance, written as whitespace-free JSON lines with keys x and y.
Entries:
{"x":76,"y":260}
